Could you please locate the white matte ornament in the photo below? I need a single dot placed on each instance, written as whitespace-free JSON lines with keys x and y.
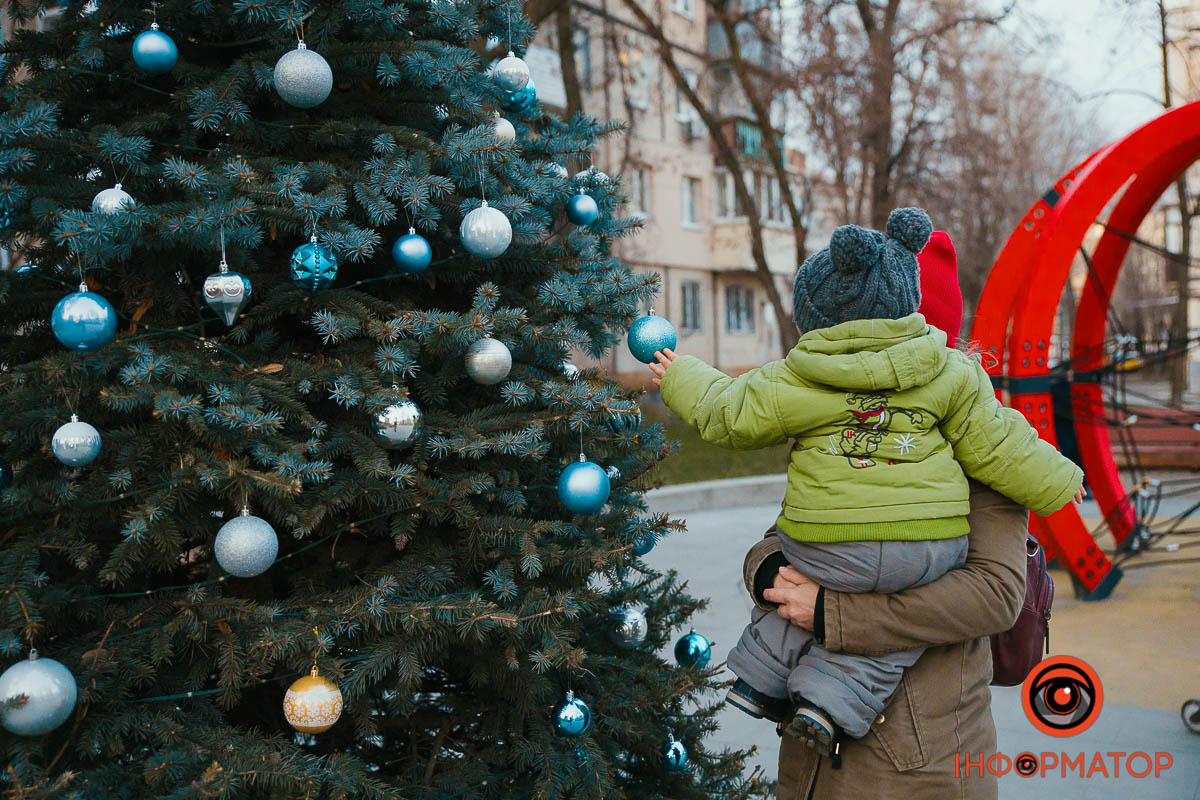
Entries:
{"x":246,"y":546}
{"x":511,"y":73}
{"x":488,"y":361}
{"x":112,"y":201}
{"x":49,"y":690}
{"x":76,"y":443}
{"x":504,"y":131}
{"x":303,"y":77}
{"x":398,"y":424}
{"x":485,"y":231}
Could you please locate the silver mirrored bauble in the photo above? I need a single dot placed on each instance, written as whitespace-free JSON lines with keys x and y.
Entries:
{"x":572,"y":717}
{"x":488,"y":361}
{"x":629,"y":626}
{"x":511,"y":73}
{"x":112,"y":201}
{"x":485,"y":231}
{"x":76,"y":443}
{"x":246,"y":545}
{"x":504,"y":130}
{"x":227,"y":293}
{"x":675,"y":755}
{"x":613,"y":472}
{"x":303,"y":77}
{"x":49,"y":690}
{"x":398,"y":424}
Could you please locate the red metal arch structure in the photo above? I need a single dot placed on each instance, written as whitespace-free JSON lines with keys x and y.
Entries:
{"x":1017,"y":309}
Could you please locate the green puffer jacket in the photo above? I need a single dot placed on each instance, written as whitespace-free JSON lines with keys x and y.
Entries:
{"x":885,"y":419}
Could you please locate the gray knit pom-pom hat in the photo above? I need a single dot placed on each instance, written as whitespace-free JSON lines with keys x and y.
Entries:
{"x":863,"y":274}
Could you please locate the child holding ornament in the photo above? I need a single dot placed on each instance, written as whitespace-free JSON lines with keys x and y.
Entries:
{"x":885,"y":420}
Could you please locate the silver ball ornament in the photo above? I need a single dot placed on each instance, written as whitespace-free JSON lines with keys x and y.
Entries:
{"x":629,"y":626}
{"x":488,"y":361}
{"x":227,"y":293}
{"x":303,"y":77}
{"x":76,"y":443}
{"x":485,"y":231}
{"x":511,"y":73}
{"x":504,"y":130}
{"x":246,"y":545}
{"x":112,"y":201}
{"x":674,"y":755}
{"x":398,"y":424}
{"x":49,"y":690}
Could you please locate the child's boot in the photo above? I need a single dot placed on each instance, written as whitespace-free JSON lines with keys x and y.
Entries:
{"x":758,"y":705}
{"x":813,"y":726}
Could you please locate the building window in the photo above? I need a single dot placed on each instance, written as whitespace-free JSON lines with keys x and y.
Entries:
{"x":637,"y":92}
{"x":739,"y":309}
{"x":689,"y":201}
{"x":685,"y":7}
{"x":583,"y":56}
{"x":639,"y":193}
{"x":690,"y":320}
{"x":727,"y":205}
{"x":685,"y":111}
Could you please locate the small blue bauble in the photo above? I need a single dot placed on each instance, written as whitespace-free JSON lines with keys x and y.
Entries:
{"x":246,"y":545}
{"x":674,"y":755}
{"x":411,"y":252}
{"x":693,"y":650}
{"x":583,"y":487}
{"x":50,"y":694}
{"x":643,"y":544}
{"x":6,"y":475}
{"x":572,"y":717}
{"x":314,"y":266}
{"x":76,"y":443}
{"x":582,"y":209}
{"x":155,"y":52}
{"x":523,"y":100}
{"x":485,"y":231}
{"x":84,"y":320}
{"x":648,"y":334}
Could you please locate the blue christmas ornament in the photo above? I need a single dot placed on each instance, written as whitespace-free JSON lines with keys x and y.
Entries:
{"x":572,"y":717}
{"x":314,"y":266}
{"x":411,"y":252}
{"x":155,"y":52}
{"x":6,"y":218}
{"x":583,"y":487}
{"x":25,"y":270}
{"x":49,"y":690}
{"x":84,"y":320}
{"x":643,"y":544}
{"x":76,"y":443}
{"x":582,"y":209}
{"x":693,"y":650}
{"x":648,"y":334}
{"x":523,"y":100}
{"x":674,"y":755}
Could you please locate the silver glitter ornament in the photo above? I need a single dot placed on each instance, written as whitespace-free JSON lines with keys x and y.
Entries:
{"x":504,"y":131}
{"x":303,"y":77}
{"x":49,"y":690}
{"x":246,"y":545}
{"x":398,"y":424}
{"x":629,"y":626}
{"x":112,"y":201}
{"x":227,"y":293}
{"x":76,"y":443}
{"x":488,"y":361}
{"x":511,"y":73}
{"x":485,"y":231}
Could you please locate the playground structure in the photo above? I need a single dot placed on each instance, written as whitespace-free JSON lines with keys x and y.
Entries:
{"x":1015,"y":320}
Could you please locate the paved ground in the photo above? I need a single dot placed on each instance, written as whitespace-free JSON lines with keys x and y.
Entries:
{"x":1144,"y":642}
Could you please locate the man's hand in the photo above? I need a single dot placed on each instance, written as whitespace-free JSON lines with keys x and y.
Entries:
{"x":665,"y":357}
{"x":796,"y":595}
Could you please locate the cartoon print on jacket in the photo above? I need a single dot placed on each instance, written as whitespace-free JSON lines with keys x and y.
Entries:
{"x":872,"y":421}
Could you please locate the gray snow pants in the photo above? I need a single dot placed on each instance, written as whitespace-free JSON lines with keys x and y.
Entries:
{"x":782,"y":660}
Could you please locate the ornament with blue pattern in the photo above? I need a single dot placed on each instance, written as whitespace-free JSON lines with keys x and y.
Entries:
{"x":649,"y":334}
{"x":155,"y":52}
{"x":693,"y":650}
{"x":572,"y":717}
{"x":84,"y":320}
{"x":583,"y":487}
{"x":582,"y":209}
{"x":314,"y":266}
{"x":411,"y":253}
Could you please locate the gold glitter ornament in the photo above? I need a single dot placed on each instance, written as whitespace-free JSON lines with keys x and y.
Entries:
{"x":312,"y":704}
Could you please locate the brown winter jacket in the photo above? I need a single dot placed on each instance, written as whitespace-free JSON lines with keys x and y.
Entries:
{"x":943,"y":705}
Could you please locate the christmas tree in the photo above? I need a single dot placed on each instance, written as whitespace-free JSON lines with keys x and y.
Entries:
{"x":310,"y":303}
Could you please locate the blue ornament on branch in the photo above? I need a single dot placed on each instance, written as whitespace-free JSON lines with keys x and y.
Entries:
{"x":674,"y":755}
{"x":76,"y":443}
{"x":648,"y":334}
{"x":314,"y":266}
{"x":303,"y":77}
{"x":84,"y":320}
{"x":155,"y":52}
{"x":582,"y":209}
{"x":643,"y":544}
{"x":411,"y":253}
{"x":693,"y":650}
{"x":583,"y":487}
{"x":572,"y":717}
{"x":49,"y":690}
{"x":246,"y":545}
{"x":522,"y":100}
{"x":485,"y":231}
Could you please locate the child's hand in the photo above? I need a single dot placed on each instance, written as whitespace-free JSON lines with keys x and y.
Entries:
{"x":1079,"y":496}
{"x":665,"y":357}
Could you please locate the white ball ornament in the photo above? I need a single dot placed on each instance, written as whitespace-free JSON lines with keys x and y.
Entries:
{"x":511,"y":73}
{"x":246,"y":545}
{"x":112,"y":201}
{"x":76,"y":443}
{"x":504,"y":131}
{"x":49,"y":690}
{"x":485,"y":231}
{"x":303,"y":77}
{"x":488,"y":361}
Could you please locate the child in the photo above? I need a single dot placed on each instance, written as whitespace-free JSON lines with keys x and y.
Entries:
{"x":885,"y":420}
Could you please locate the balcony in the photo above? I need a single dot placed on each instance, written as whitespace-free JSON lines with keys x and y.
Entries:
{"x":746,"y":138}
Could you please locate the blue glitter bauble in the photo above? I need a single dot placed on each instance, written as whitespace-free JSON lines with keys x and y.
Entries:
{"x":50,"y":693}
{"x":572,"y":717}
{"x":523,"y":100}
{"x":155,"y":52}
{"x":314,"y":266}
{"x":648,"y":334}
{"x":411,"y":252}
{"x":84,"y":321}
{"x":246,"y":546}
{"x":674,"y":756}
{"x":583,"y":487}
{"x":582,"y":209}
{"x":693,"y":650}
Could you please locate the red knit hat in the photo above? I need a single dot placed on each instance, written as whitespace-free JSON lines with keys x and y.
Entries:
{"x":941,"y":297}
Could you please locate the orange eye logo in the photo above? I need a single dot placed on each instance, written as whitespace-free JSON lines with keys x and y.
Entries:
{"x":1062,"y":696}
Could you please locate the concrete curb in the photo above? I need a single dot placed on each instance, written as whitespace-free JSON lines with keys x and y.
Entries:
{"x":755,"y":490}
